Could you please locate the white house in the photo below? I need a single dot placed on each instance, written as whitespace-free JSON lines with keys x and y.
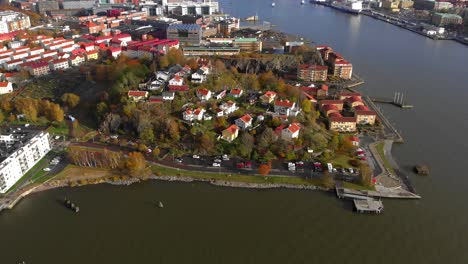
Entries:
{"x":228,"y":107}
{"x":164,"y":76}
{"x":221,"y":95}
{"x":177,"y":80}
{"x":291,"y":132}
{"x":155,"y":85}
{"x":284,"y":107}
{"x":203,"y":94}
{"x":168,"y":96}
{"x":6,"y":87}
{"x":191,"y":115}
{"x":236,"y":92}
{"x":244,"y":121}
{"x":198,"y":77}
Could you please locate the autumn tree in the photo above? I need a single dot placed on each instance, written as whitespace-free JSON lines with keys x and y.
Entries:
{"x":54,"y":113}
{"x":306,"y":106}
{"x":264,"y":169}
{"x":135,"y":164}
{"x":193,"y":64}
{"x":247,"y":144}
{"x":365,"y":175}
{"x":28,"y":107}
{"x":5,"y":103}
{"x":327,"y":180}
{"x":175,"y":56}
{"x":147,"y":135}
{"x":163,"y":62}
{"x":71,"y":100}
{"x":268,"y":81}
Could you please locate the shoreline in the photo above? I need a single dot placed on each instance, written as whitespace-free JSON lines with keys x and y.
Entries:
{"x":11,"y":203}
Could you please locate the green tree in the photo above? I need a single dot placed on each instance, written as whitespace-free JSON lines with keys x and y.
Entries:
{"x":365,"y":175}
{"x":247,"y":144}
{"x":147,"y":135}
{"x":306,"y":106}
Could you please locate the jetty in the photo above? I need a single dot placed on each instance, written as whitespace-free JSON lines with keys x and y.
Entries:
{"x":368,"y":206}
{"x":396,"y":100}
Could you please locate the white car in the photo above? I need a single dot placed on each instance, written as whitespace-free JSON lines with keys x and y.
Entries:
{"x":225,"y":157}
{"x":195,"y":156}
{"x":216,"y":164}
{"x":217,"y":161}
{"x":46,"y":169}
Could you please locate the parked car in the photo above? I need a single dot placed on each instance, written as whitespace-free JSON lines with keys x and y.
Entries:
{"x":225,"y":157}
{"x":217,"y":160}
{"x":291,"y":164}
{"x":46,"y":169}
{"x":293,"y":168}
{"x":195,"y":156}
{"x":240,"y":165}
{"x":248,"y":164}
{"x":178,"y":160}
{"x":216,"y":164}
{"x":351,"y":170}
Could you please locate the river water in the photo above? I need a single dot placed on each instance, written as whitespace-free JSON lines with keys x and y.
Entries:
{"x":206,"y":224}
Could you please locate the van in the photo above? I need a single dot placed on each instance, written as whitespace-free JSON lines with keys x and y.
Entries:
{"x":330,"y":167}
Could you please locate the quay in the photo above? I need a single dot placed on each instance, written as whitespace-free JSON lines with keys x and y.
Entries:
{"x":368,"y":206}
{"x":400,"y":104}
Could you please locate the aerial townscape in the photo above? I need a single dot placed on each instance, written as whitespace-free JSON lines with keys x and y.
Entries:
{"x":177,"y":90}
{"x":279,"y":131}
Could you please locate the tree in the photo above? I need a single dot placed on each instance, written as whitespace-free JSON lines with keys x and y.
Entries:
{"x":365,"y":175}
{"x":156,"y":151}
{"x":327,"y":180}
{"x":2,"y":117}
{"x":333,"y":144}
{"x":193,"y":64}
{"x":264,"y":169}
{"x":268,"y":81}
{"x":147,"y":135}
{"x":306,"y":106}
{"x":54,"y":113}
{"x":163,"y":62}
{"x":175,"y":56}
{"x":27,"y":107}
{"x":70,"y":99}
{"x":247,"y":144}
{"x":206,"y":144}
{"x":5,"y":103}
{"x":135,"y":164}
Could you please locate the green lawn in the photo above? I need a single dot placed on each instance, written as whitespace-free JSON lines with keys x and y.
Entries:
{"x":355,"y":186}
{"x":60,"y":129}
{"x":341,"y":160}
{"x":380,"y":150}
{"x":31,"y":173}
{"x":234,"y":177}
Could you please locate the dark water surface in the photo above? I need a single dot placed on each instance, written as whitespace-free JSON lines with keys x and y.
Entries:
{"x":206,"y":224}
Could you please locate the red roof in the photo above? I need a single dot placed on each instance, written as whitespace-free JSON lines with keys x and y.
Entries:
{"x":331,"y":102}
{"x":202,"y":91}
{"x":361,"y":108}
{"x":284,"y":103}
{"x":232,"y":129}
{"x":4,"y":84}
{"x":343,"y":119}
{"x":330,"y":107}
{"x":294,"y":127}
{"x":155,"y":99}
{"x":180,"y":88}
{"x":137,"y":93}
{"x":59,"y":61}
{"x":368,"y":113}
{"x":236,"y":91}
{"x":342,"y":62}
{"x":39,"y":65}
{"x":354,"y":138}
{"x":334,"y":114}
{"x":313,"y":67}
{"x":246,"y":118}
{"x":270,"y":94}
{"x":324,"y":87}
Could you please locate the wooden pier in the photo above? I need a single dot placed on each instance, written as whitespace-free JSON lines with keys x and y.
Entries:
{"x":391,"y":101}
{"x":368,"y":206}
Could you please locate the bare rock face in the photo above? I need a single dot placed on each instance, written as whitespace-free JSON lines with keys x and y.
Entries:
{"x":421,"y":169}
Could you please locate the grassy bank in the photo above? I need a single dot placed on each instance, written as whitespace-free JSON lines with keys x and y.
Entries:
{"x":162,"y":171}
{"x":380,"y":150}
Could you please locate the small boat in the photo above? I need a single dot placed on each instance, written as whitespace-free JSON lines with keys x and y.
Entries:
{"x":302,"y":2}
{"x":160,"y":204}
{"x":273,"y":4}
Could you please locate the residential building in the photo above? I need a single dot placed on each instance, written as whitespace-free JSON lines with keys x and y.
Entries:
{"x":346,"y":95}
{"x":76,"y":60}
{"x":137,"y":95}
{"x":337,"y":103}
{"x":244,"y":121}
{"x":268,"y":97}
{"x":163,"y":76}
{"x":42,"y":7}
{"x":12,"y":65}
{"x":92,"y":55}
{"x":328,"y":109}
{"x":236,"y":92}
{"x":114,"y":52}
{"x":442,"y":19}
{"x":230,"y":133}
{"x":342,"y":124}
{"x":39,"y":68}
{"x":364,"y":117}
{"x":198,"y":77}
{"x":178,"y":88}
{"x":291,"y":132}
{"x":192,"y":115}
{"x":6,"y":87}
{"x":342,"y":68}
{"x":354,"y":101}
{"x":168,"y":96}
{"x":183,"y":8}
{"x":59,"y":64}
{"x":177,"y":80}
{"x":20,"y":151}
{"x":312,"y":73}
{"x":13,"y":21}
{"x":185,"y":33}
{"x":284,"y":107}
{"x":203,"y":94}
{"x":227,"y":108}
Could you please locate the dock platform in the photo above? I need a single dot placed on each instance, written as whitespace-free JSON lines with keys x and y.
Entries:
{"x":368,"y":206}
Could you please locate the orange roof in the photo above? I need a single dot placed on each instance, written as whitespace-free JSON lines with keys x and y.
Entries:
{"x":137,"y":93}
{"x":246,"y":118}
{"x":284,"y":103}
{"x":203,"y":91}
{"x":236,"y":91}
{"x":232,"y":129}
{"x":4,"y":84}
{"x":294,"y":127}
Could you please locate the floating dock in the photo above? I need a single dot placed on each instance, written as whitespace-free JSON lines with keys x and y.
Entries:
{"x":368,"y":206}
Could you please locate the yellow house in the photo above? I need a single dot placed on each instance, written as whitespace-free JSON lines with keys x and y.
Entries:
{"x":92,"y":55}
{"x":343,"y":124}
{"x":365,"y":117}
{"x":230,"y":133}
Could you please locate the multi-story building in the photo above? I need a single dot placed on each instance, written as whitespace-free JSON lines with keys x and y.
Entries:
{"x":76,"y":60}
{"x":39,"y":68}
{"x":6,"y":87}
{"x":210,"y":51}
{"x":13,"y":21}
{"x":42,"y":7}
{"x":441,"y":19}
{"x":312,"y":73}
{"x":342,"y":68}
{"x":19,"y":152}
{"x":59,"y":64}
{"x":203,"y":7}
{"x":365,"y":117}
{"x":186,"y":33}
{"x":248,"y":44}
{"x":342,"y":124}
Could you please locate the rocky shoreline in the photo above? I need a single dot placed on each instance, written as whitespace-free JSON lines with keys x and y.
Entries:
{"x":9,"y":203}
